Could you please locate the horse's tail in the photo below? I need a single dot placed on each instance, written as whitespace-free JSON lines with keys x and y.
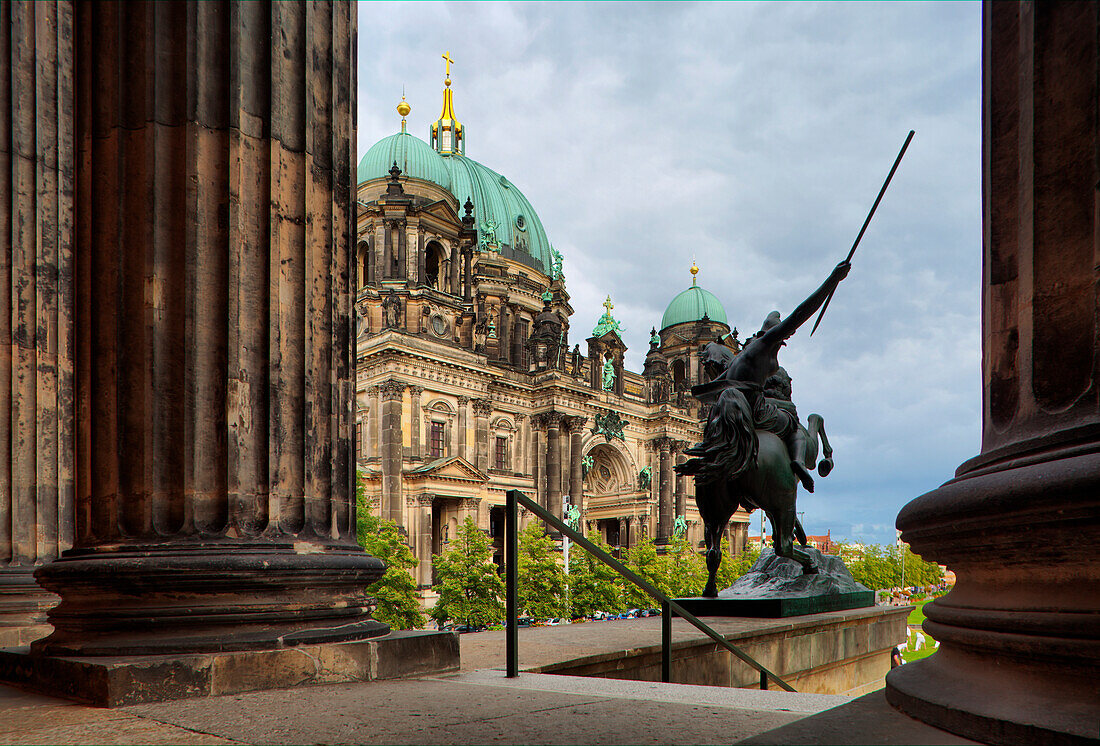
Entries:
{"x":815,"y":426}
{"x":729,"y":443}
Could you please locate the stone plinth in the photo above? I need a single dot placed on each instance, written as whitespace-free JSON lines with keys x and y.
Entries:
{"x":106,"y":681}
{"x":842,"y":652}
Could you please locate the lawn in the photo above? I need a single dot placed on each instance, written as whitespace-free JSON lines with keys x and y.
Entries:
{"x":916,"y":618}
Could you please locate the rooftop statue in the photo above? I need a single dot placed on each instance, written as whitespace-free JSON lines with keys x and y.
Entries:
{"x":754,"y":452}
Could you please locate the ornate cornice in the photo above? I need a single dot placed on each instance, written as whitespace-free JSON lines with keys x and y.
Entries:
{"x":392,"y":390}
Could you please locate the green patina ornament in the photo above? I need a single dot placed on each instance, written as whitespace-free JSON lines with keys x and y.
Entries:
{"x":679,"y":526}
{"x":608,"y":375}
{"x":609,"y":425}
{"x":547,"y":297}
{"x":607,"y":323}
{"x":645,"y":478}
{"x":586,"y":466}
{"x":489,"y":235}
{"x":573,"y":517}
{"x":556,"y":261}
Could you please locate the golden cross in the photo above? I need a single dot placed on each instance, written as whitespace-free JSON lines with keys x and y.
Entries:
{"x":447,"y":56}
{"x":607,"y":304}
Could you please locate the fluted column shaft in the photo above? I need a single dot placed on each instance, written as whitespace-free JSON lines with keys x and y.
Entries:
{"x":215,"y":378}
{"x":553,"y":462}
{"x":576,"y":482}
{"x":664,"y":494}
{"x":1020,"y":631}
{"x":393,"y":501}
{"x":36,"y":306}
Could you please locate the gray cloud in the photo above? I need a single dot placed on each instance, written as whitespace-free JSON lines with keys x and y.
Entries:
{"x":752,"y":137}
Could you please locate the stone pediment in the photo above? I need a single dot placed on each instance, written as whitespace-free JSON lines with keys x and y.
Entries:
{"x":454,"y":468}
{"x":442,"y":210}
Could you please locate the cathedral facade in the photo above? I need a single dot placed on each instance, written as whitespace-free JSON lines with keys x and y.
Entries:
{"x":472,"y":378}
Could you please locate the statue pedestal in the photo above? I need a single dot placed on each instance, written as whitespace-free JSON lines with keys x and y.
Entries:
{"x":774,"y":608}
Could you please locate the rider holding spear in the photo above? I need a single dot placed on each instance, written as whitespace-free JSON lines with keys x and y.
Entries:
{"x":729,"y":440}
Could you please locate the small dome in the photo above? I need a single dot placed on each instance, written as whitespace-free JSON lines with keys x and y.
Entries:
{"x":416,"y":159}
{"x":690,"y":306}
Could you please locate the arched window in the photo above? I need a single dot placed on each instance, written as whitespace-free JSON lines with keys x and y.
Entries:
{"x":679,"y":374}
{"x":433,"y":265}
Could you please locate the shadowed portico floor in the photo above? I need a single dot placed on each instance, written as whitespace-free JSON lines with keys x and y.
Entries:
{"x":478,"y":705}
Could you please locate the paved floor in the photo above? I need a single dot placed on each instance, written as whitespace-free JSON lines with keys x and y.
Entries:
{"x":478,"y":706}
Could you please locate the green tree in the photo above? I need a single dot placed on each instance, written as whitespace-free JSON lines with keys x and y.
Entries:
{"x":733,"y":567}
{"x":398,"y":603}
{"x":643,"y":560}
{"x":467,"y":582}
{"x":684,"y":569}
{"x":593,"y":586}
{"x":540,"y":579}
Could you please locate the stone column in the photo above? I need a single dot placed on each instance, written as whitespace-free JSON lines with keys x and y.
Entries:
{"x":413,"y":260}
{"x":576,"y":483}
{"x":553,"y":462}
{"x":482,"y":409}
{"x":374,"y":425}
{"x":393,"y":396}
{"x":664,"y":490}
{"x":1019,"y":523}
{"x":681,"y":479}
{"x":467,"y":273}
{"x":538,"y":458}
{"x":414,"y":420}
{"x":36,"y":308}
{"x":424,"y":542}
{"x":460,"y":432}
{"x":378,"y":251}
{"x":215,"y":381}
{"x":519,"y":456}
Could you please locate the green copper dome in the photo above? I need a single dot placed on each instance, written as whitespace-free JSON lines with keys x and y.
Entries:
{"x":506,"y":221}
{"x":690,"y":306}
{"x":415,"y":158}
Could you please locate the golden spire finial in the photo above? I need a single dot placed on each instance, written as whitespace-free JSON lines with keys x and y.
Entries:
{"x":447,"y":57}
{"x":694,"y":271}
{"x":403,"y":108}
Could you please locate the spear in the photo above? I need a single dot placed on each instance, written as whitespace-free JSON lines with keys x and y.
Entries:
{"x":866,"y":222}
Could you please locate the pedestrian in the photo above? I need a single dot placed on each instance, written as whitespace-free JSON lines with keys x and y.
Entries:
{"x":895,"y":658}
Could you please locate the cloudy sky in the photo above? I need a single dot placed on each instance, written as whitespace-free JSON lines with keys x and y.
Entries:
{"x":752,"y":138}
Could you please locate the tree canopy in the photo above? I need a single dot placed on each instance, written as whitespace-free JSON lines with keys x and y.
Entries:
{"x":398,"y":603}
{"x":540,"y":579}
{"x":469,"y":588}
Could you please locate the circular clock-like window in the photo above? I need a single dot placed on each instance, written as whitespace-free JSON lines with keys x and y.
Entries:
{"x":521,"y":222}
{"x":439,"y":325}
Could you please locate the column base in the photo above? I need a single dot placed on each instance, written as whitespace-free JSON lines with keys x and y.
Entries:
{"x":129,"y":680}
{"x":23,"y":607}
{"x":1019,"y":633}
{"x":208,"y":597}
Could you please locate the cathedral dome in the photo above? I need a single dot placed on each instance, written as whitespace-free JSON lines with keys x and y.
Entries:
{"x":691,"y":305}
{"x":416,"y":159}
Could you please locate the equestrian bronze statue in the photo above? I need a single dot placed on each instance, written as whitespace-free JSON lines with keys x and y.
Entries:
{"x":754,"y":452}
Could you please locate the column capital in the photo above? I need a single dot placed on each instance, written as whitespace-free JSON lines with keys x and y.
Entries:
{"x":374,"y":390}
{"x":663,"y":443}
{"x":416,"y":390}
{"x":483,"y":407}
{"x":574,"y":423}
{"x":392,"y":390}
{"x":463,"y":401}
{"x":425,"y":500}
{"x":552,"y":418}
{"x":471,"y":503}
{"x":519,"y":418}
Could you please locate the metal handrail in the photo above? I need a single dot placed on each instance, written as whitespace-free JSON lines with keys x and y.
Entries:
{"x":515,"y":498}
